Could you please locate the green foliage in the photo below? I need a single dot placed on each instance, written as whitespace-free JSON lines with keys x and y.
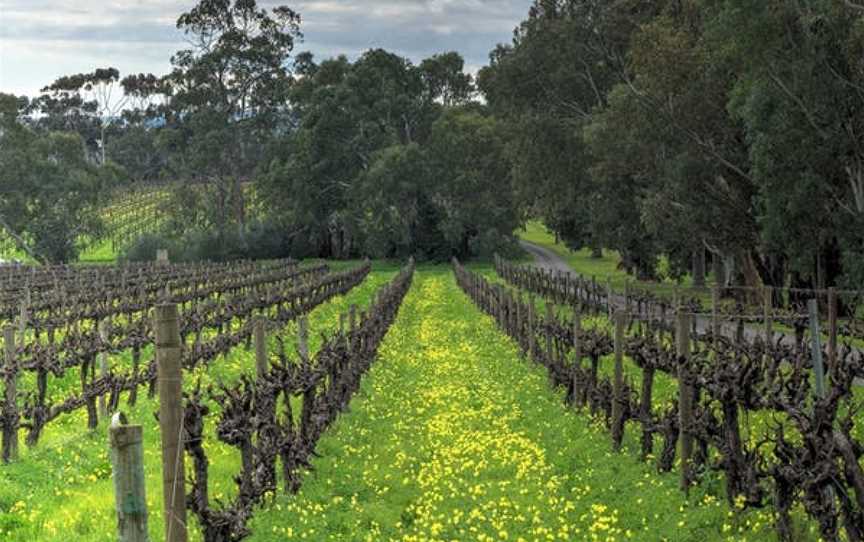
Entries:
{"x":255,"y":241}
{"x":473,"y":194}
{"x":668,"y":128}
{"x":228,"y":90}
{"x":380,"y":165}
{"x":445,"y":79}
{"x":48,"y":187}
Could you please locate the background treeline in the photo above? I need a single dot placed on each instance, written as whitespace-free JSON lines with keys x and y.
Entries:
{"x":269,"y":153}
{"x":675,"y":127}
{"x":695,"y":132}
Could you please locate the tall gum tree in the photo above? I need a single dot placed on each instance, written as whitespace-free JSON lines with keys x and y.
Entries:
{"x":230,"y":88}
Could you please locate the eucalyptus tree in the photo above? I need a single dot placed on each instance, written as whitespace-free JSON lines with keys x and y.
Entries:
{"x":346,"y":113}
{"x":48,"y":187}
{"x":228,"y":92}
{"x":548,"y":85}
{"x":75,"y":101}
{"x":445,"y":79}
{"x":798,"y":92}
{"x":136,"y":145}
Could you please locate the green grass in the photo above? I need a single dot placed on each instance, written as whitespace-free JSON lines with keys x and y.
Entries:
{"x":63,"y":488}
{"x":452,"y":437}
{"x":608,"y":267}
{"x":100,"y":252}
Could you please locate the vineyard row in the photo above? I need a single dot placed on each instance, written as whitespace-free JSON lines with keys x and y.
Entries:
{"x":811,"y":459}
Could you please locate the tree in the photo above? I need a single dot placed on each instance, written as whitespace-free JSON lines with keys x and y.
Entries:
{"x":48,"y":188}
{"x":228,"y":89}
{"x":346,"y":114}
{"x":97,"y":94}
{"x":393,"y":211}
{"x":445,"y":79}
{"x":547,"y":85}
{"x":473,"y":190}
{"x":798,"y":97}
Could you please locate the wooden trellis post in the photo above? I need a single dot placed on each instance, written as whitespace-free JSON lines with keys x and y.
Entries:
{"x":676,"y":298}
{"x":10,"y":433}
{"x":618,"y":384}
{"x":832,"y":327}
{"x":767,"y":303}
{"x":715,"y":314}
{"x":23,"y":318}
{"x":303,"y":338}
{"x":127,"y":462}
{"x":816,"y":349}
{"x":550,"y":314}
{"x":104,"y":334}
{"x":577,"y":354}
{"x":260,"y":334}
{"x":610,"y":304}
{"x":170,"y":374}
{"x":819,"y":389}
{"x":685,"y":399}
{"x":626,"y":295}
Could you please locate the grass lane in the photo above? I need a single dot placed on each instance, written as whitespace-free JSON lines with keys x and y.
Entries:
{"x":454,"y":437}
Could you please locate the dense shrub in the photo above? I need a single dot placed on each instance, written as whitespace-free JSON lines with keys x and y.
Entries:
{"x":256,"y":241}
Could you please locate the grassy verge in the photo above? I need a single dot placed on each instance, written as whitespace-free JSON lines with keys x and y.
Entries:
{"x":606,"y":267}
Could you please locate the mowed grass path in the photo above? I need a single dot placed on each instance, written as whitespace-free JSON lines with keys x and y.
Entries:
{"x":455,"y":437}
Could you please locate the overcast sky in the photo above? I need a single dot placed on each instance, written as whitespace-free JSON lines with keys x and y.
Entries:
{"x":41,"y":39}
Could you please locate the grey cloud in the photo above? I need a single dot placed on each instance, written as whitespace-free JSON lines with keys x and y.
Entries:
{"x":134,"y":30}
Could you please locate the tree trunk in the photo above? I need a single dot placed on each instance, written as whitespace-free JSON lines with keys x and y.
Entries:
{"x":239,"y":201}
{"x":102,"y":143}
{"x":717,"y":269}
{"x":699,"y":267}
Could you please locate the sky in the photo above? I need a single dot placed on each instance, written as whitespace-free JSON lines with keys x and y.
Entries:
{"x":42,"y":39}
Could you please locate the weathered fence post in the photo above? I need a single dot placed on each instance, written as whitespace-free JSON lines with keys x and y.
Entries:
{"x":10,"y":428}
{"x":303,"y":338}
{"x":23,"y":317}
{"x":816,"y":349}
{"x":819,"y":376}
{"x":626,"y":295}
{"x":170,"y":374}
{"x":104,"y":335}
{"x":618,"y":383}
{"x":260,"y":333}
{"x":352,"y":325}
{"x":676,"y":298}
{"x":308,"y":393}
{"x":532,"y":323}
{"x":577,"y":355}
{"x":127,"y":464}
{"x":685,"y":398}
{"x":609,"y":297}
{"x":550,"y":315}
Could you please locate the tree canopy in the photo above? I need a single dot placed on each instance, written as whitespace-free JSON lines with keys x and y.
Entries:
{"x":666,"y":130}
{"x":672,"y":128}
